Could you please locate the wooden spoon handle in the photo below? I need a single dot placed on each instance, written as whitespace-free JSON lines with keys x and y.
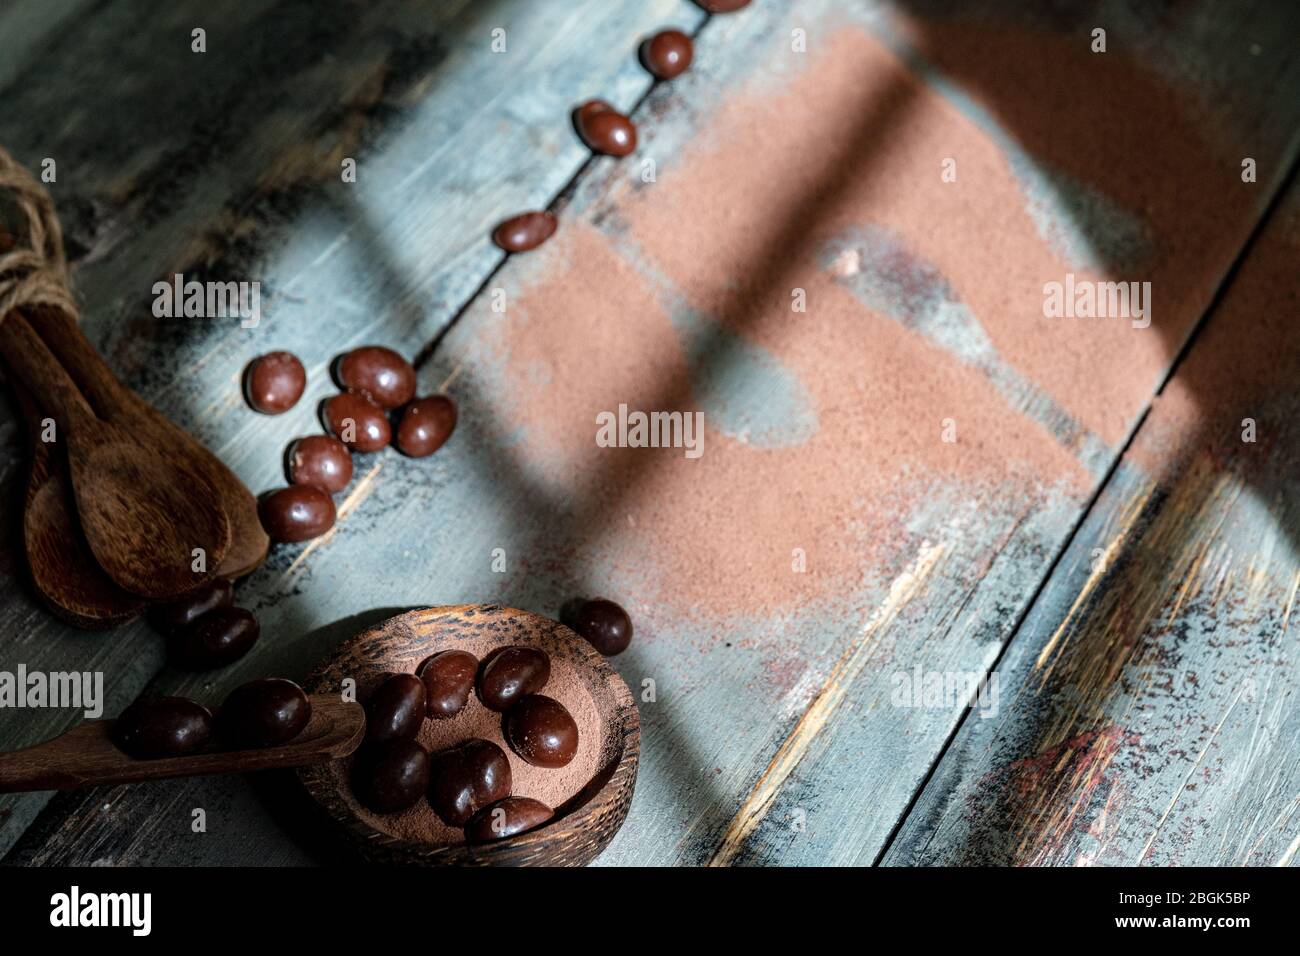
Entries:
{"x":84,"y":364}
{"x":38,"y":369}
{"x":86,"y":756}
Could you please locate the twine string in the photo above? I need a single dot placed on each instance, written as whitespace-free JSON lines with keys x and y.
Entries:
{"x":34,"y":272}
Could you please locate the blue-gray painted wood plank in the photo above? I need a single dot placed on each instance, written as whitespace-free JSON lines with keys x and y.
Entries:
{"x":1149,"y":709}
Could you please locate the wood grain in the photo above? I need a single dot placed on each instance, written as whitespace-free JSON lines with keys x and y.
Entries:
{"x":115,"y":403}
{"x":1147,"y":712}
{"x":582,"y":827}
{"x":770,"y":733}
{"x":62,"y":567}
{"x":143,"y":515}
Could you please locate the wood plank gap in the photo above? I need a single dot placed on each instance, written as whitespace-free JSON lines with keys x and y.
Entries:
{"x":556,"y":206}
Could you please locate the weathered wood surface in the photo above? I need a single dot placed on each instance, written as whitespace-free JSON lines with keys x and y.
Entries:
{"x":172,"y":161}
{"x":773,"y":735}
{"x":1149,"y":707}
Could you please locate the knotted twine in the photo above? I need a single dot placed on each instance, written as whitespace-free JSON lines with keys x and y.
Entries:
{"x":34,"y":272}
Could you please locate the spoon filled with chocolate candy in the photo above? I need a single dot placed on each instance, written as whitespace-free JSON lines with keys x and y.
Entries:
{"x":262,"y":725}
{"x":493,"y":736}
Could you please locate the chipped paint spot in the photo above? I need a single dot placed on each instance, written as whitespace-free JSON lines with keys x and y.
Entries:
{"x":1178,"y":792}
{"x":1063,"y":791}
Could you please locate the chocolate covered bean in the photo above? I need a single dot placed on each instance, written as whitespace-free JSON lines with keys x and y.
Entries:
{"x":395,"y":710}
{"x":379,"y":373}
{"x":604,"y":129}
{"x":605,"y":625}
{"x":465,"y":778}
{"x":390,"y":776}
{"x":218,"y":638}
{"x":176,"y":615}
{"x":321,"y":461}
{"x":525,"y":231}
{"x":426,"y":425}
{"x":667,"y":54}
{"x":263,"y":713}
{"x":542,"y":731}
{"x":356,"y":421}
{"x":162,"y":727}
{"x":506,"y":818}
{"x":274,"y":382}
{"x":296,"y":513}
{"x":448,"y":679}
{"x":510,"y":673}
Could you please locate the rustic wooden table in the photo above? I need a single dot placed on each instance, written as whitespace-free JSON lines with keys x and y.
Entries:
{"x":833,"y":241}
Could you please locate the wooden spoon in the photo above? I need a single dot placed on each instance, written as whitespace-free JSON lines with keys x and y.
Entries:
{"x":86,"y":756}
{"x":63,"y":569}
{"x":143,"y":514}
{"x":116,"y":403}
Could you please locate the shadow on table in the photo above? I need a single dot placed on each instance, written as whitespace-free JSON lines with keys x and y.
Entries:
{"x":985,"y":56}
{"x":1244,"y":366}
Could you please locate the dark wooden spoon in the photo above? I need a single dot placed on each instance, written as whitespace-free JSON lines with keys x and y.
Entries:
{"x":142,"y":513}
{"x":116,"y":403}
{"x":63,"y":570}
{"x":86,"y":756}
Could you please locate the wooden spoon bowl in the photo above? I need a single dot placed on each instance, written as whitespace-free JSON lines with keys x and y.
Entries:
{"x":585,"y":821}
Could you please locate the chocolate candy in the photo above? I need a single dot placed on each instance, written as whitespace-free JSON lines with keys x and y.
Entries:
{"x":178,"y":614}
{"x":296,"y":513}
{"x":395,"y":710}
{"x":263,"y":713}
{"x":667,"y":54}
{"x":162,"y":727}
{"x":380,"y":374}
{"x":448,"y":678}
{"x":357,"y":422}
{"x":604,"y":129}
{"x":722,"y":6}
{"x":602,"y":623}
{"x":542,"y":731}
{"x":391,"y":776}
{"x":321,"y":461}
{"x":510,"y":673}
{"x":220,"y":637}
{"x":525,"y":231}
{"x":426,"y":424}
{"x":274,"y":382}
{"x":466,"y":778}
{"x":506,"y":818}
